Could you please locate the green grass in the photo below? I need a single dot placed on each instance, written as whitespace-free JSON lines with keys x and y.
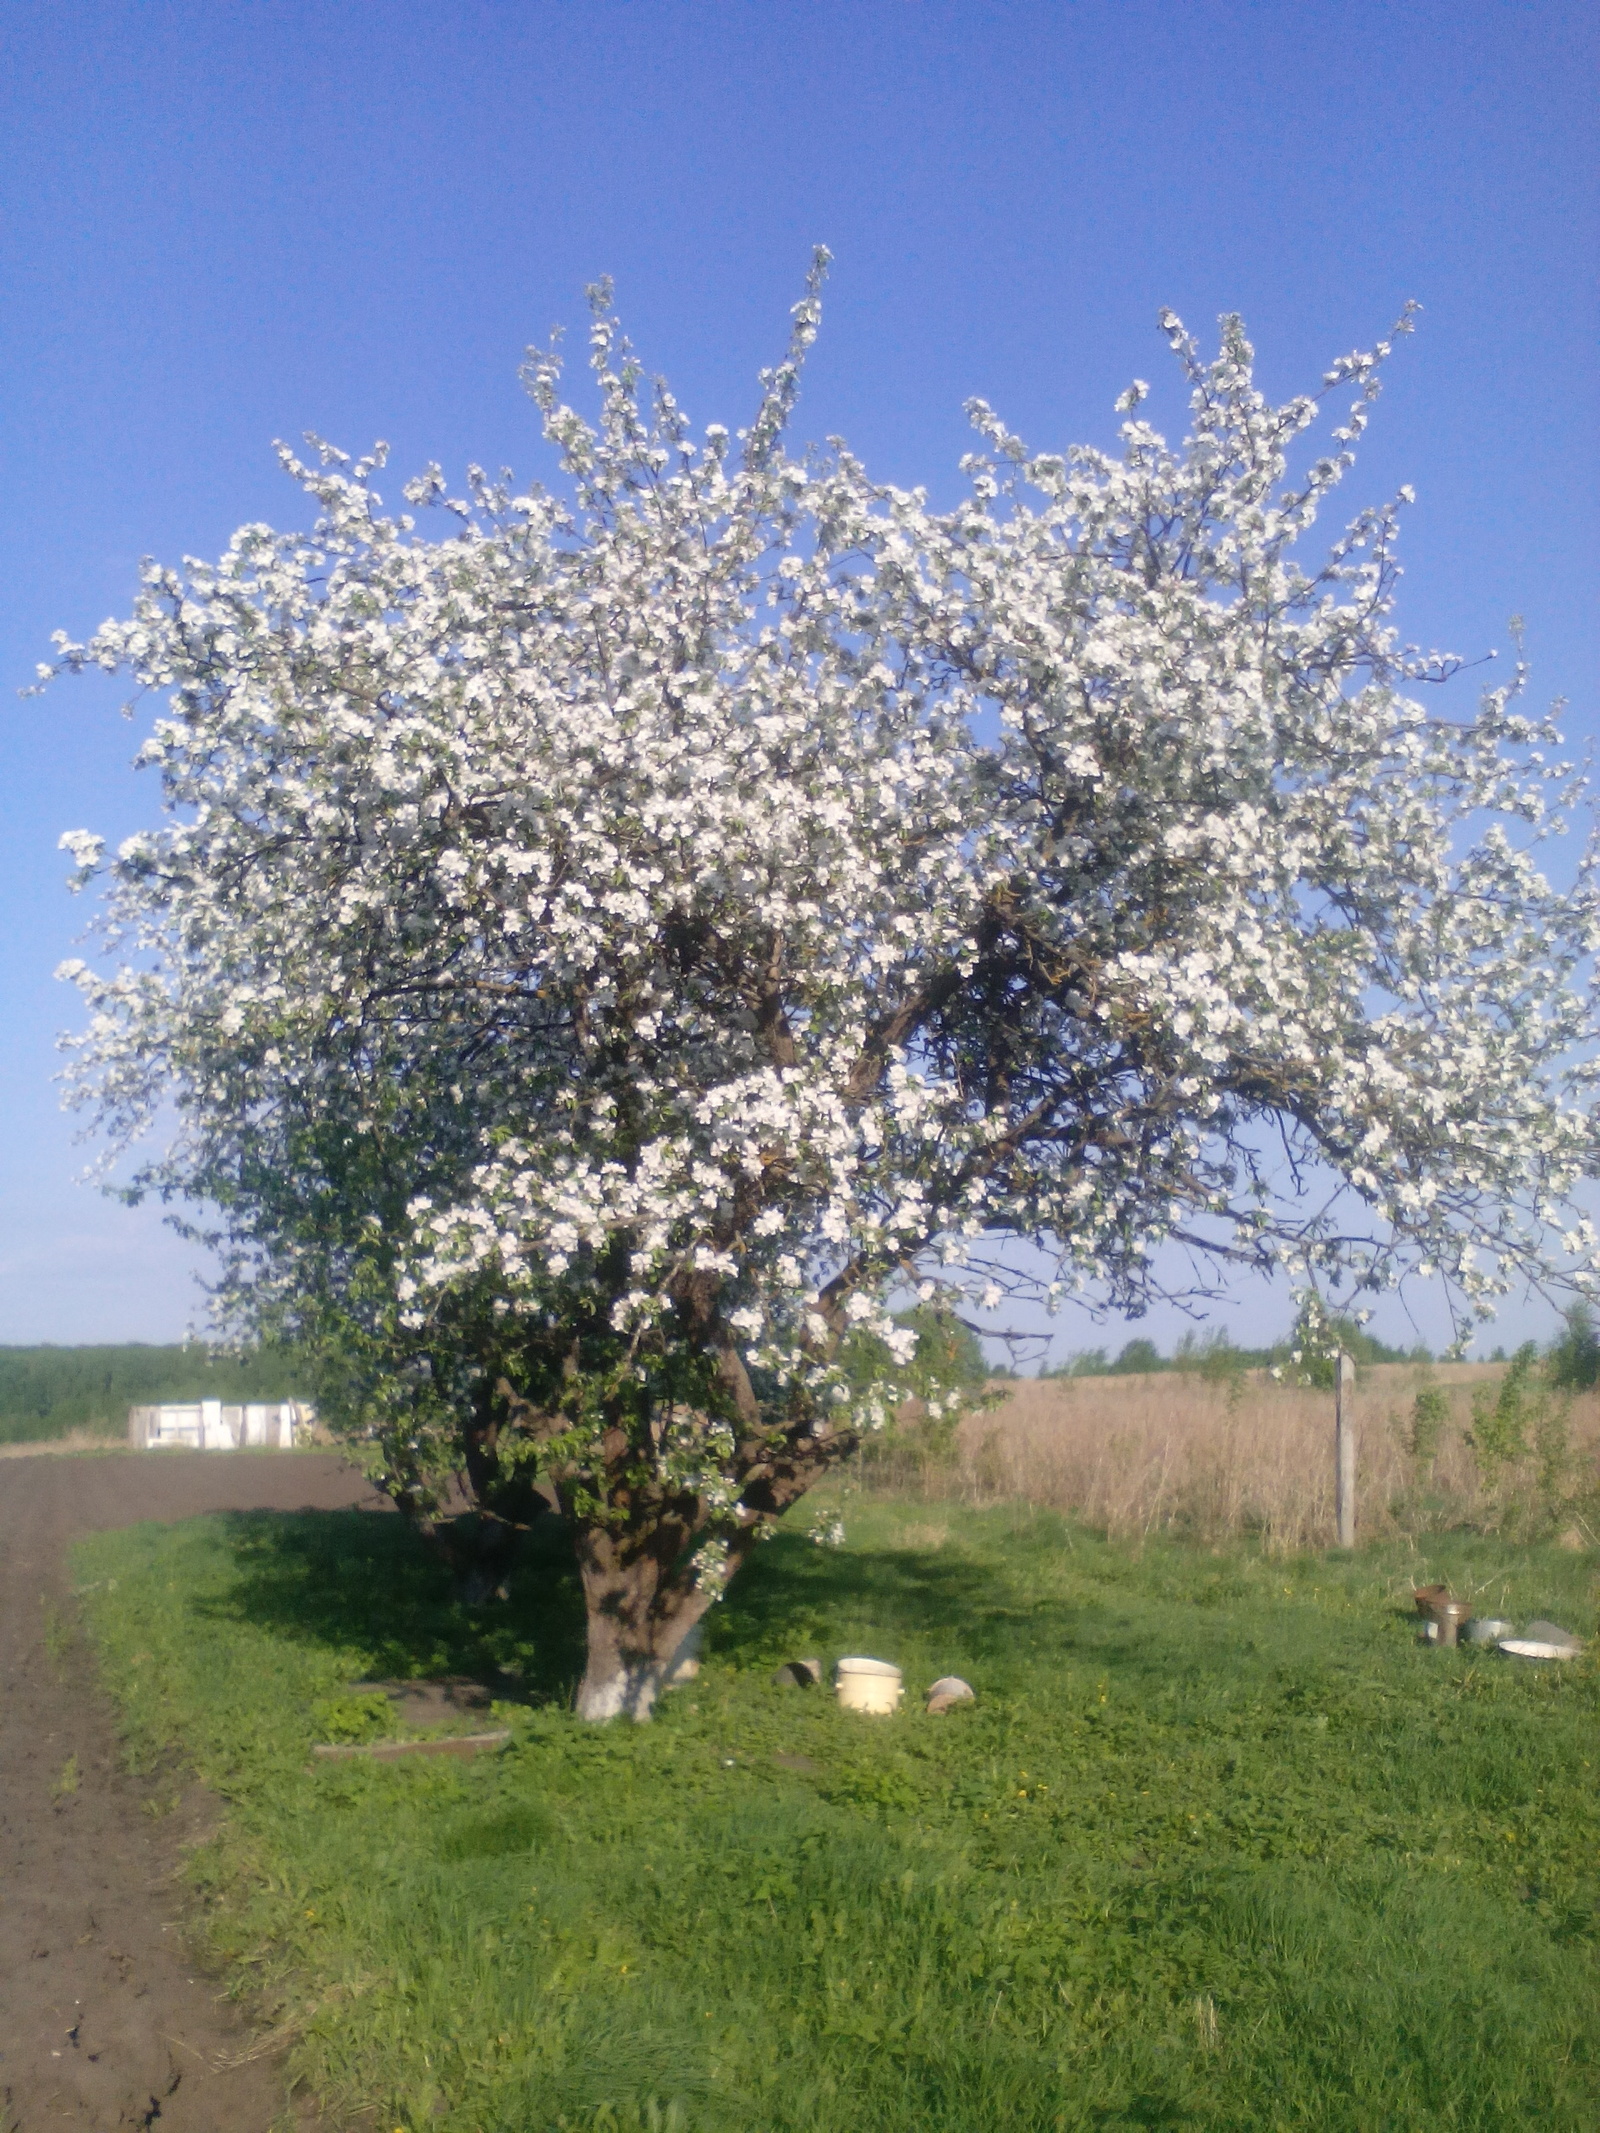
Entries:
{"x":1218,"y":1847}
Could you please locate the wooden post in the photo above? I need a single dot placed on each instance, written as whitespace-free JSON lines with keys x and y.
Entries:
{"x":1344,"y":1450}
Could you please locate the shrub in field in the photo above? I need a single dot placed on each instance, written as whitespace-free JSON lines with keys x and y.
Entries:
{"x":1083,"y":1363}
{"x":1430,"y":1411}
{"x":1215,"y":1361}
{"x":1524,"y":1424}
{"x":1137,"y":1358}
{"x":1502,"y":1414}
{"x":1573,"y":1361}
{"x":945,"y":1379}
{"x":601,"y":959}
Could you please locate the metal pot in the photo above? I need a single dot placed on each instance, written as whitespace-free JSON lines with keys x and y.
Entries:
{"x":1450,"y":1614}
{"x":868,"y":1685}
{"x":1487,"y":1629}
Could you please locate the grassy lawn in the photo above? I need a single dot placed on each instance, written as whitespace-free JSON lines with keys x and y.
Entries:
{"x":1218,"y":1847}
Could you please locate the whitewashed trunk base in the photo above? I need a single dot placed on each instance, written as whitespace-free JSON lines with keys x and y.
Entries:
{"x":629,"y":1692}
{"x":643,"y":1615}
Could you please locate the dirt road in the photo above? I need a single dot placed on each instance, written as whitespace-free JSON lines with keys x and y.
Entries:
{"x":105,"y":2021}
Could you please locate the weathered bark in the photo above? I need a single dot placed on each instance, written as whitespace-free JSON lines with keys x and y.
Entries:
{"x":641,"y":1597}
{"x":642,"y":1608}
{"x":485,"y":1559}
{"x":479,"y":1545}
{"x":479,"y":1552}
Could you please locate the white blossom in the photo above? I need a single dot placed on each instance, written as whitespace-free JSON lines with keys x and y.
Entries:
{"x":602,"y":955}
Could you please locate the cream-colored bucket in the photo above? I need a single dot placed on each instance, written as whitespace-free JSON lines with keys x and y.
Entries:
{"x":868,"y":1685}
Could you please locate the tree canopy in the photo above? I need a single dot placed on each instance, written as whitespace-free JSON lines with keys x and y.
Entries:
{"x":604,"y":958}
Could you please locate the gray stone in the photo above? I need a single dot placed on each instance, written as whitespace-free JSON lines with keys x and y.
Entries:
{"x":1552,"y":1633}
{"x":948,"y":1690}
{"x":799,"y":1674}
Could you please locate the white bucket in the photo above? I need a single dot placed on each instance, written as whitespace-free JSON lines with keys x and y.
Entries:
{"x":868,"y":1685}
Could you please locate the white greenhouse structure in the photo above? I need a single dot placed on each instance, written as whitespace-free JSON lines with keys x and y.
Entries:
{"x":213,"y":1426}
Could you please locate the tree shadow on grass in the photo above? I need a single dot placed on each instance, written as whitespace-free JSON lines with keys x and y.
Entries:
{"x":991,"y":1612}
{"x":792,"y":1585}
{"x":346,"y":1578}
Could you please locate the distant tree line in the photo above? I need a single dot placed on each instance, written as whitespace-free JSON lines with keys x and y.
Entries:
{"x":1571,"y":1359}
{"x":47,"y":1391}
{"x":1213,"y":1355}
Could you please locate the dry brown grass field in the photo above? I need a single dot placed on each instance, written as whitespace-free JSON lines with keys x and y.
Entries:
{"x":1176,"y":1453}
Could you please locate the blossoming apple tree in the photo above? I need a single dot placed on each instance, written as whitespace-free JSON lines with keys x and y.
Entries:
{"x":595,"y":960}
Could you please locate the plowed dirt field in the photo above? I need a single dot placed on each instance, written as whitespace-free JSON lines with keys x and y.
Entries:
{"x":105,"y":2019}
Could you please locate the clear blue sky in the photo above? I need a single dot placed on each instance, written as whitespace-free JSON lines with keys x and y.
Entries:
{"x":226,"y":223}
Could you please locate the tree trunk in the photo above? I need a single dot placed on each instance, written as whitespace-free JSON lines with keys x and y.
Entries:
{"x":642,"y":1612}
{"x":479,"y":1552}
{"x":484,"y":1561}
